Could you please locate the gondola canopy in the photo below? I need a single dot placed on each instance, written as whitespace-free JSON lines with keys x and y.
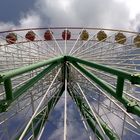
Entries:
{"x":84,"y":35}
{"x":101,"y":36}
{"x":30,"y":36}
{"x":137,"y":41}
{"x":48,"y":35}
{"x":66,"y":35}
{"x":120,"y":38}
{"x":11,"y":38}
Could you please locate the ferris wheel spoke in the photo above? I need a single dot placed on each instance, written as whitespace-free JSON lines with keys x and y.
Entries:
{"x":83,"y":112}
{"x":111,"y":78}
{"x":96,"y":118}
{"x":65,"y":104}
{"x":65,"y":45}
{"x":75,"y":52}
{"x":75,"y":43}
{"x":83,"y":117}
{"x":93,"y":46}
{"x":61,"y":52}
{"x":42,"y":116}
{"x":113,"y":135}
{"x":113,"y":100}
{"x":105,"y":47}
{"x":50,"y":47}
{"x":118,"y":51}
{"x":120,"y":54}
{"x":21,"y":44}
{"x":37,"y":109}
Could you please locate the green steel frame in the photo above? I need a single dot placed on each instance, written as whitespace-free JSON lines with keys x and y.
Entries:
{"x":39,"y":120}
{"x":131,"y":106}
{"x":7,"y":76}
{"x":86,"y":112}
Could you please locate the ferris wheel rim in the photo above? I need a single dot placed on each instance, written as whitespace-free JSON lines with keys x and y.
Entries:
{"x":65,"y":42}
{"x":66,"y":27}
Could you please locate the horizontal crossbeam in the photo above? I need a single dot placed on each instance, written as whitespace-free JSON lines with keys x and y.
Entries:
{"x":25,"y":69}
{"x":133,"y":78}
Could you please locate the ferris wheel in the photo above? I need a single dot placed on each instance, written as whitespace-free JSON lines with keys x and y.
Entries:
{"x":69,"y":83}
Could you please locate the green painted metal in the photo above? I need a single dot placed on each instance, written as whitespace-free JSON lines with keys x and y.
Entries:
{"x":86,"y":112}
{"x":131,"y":106}
{"x":6,"y":78}
{"x":28,"y":68}
{"x":51,"y":104}
{"x":32,"y":81}
{"x":41,"y":118}
{"x":8,"y":89}
{"x":39,"y":121}
{"x":97,"y":80}
{"x":134,"y":78}
{"x":107,"y":130}
{"x":12,"y":96}
{"x":119,"y":88}
{"x":112,"y":135}
{"x":89,"y":120}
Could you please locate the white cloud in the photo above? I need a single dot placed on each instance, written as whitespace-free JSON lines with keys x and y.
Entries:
{"x":133,"y":6}
{"x":90,"y":13}
{"x":94,"y":13}
{"x":29,"y":20}
{"x":135,"y":23}
{"x":6,"y":26}
{"x":32,"y":19}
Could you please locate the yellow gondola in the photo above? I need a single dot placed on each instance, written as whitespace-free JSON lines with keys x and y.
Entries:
{"x":137,"y":40}
{"x":120,"y":38}
{"x":84,"y":35}
{"x":101,"y":36}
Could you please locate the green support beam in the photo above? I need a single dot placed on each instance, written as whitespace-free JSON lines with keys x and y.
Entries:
{"x":131,"y":106}
{"x":86,"y":112}
{"x":41,"y":118}
{"x":119,"y":87}
{"x":90,"y":121}
{"x":50,"y":106}
{"x":133,"y":78}
{"x":25,"y":69}
{"x":8,"y":89}
{"x":11,"y":96}
{"x":97,"y":80}
{"x":32,"y":81}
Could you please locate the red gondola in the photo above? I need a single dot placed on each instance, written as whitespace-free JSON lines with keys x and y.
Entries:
{"x":30,"y":36}
{"x":11,"y":38}
{"x":66,"y":34}
{"x":48,"y":35}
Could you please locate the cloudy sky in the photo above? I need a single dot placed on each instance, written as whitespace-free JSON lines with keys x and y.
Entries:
{"x":118,"y":14}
